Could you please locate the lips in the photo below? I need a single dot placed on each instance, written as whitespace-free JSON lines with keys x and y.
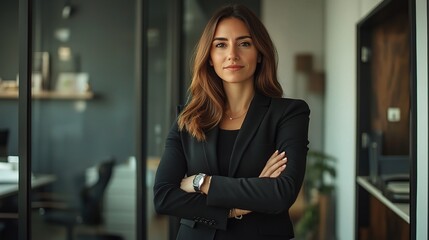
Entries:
{"x":233,"y":67}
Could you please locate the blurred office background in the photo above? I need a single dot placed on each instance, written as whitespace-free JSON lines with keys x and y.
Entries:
{"x":85,"y":106}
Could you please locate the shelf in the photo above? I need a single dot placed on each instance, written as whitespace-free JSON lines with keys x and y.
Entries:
{"x":49,"y":95}
{"x":401,"y":209}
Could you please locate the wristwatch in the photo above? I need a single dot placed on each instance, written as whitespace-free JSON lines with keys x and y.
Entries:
{"x":198,"y":181}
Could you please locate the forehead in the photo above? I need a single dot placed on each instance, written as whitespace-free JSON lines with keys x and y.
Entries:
{"x":231,"y":27}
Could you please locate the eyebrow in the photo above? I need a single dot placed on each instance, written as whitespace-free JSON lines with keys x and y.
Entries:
{"x":226,"y":39}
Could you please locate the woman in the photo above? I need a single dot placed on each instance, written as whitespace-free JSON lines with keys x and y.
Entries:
{"x":223,"y":171}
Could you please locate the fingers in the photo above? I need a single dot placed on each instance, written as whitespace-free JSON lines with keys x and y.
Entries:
{"x":274,"y":165}
{"x":274,"y":158}
{"x":277,"y":168}
{"x":270,"y":161}
{"x":241,"y":212}
{"x":275,"y":154}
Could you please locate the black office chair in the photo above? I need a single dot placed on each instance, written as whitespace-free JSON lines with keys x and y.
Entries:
{"x":8,"y":225}
{"x":90,"y":211}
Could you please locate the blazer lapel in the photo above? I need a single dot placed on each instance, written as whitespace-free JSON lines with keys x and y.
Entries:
{"x":210,"y":150}
{"x":257,"y":109}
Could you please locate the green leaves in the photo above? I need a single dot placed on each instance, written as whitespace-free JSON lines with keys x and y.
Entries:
{"x":320,"y":172}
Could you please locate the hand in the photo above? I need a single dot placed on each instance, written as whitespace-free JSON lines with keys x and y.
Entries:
{"x":275,"y":165}
{"x":236,"y":212}
{"x":187,"y":185}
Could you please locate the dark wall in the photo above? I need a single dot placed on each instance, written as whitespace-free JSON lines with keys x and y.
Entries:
{"x":69,"y":136}
{"x":9,"y":34}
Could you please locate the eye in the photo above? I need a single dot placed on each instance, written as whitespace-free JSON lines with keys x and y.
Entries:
{"x":245,"y":44}
{"x":220,"y":45}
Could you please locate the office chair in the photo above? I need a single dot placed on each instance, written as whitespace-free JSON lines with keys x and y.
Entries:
{"x":90,"y":211}
{"x":8,"y":225}
{"x":9,"y":217}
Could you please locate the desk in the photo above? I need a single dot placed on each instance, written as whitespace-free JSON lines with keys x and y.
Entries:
{"x":8,"y":189}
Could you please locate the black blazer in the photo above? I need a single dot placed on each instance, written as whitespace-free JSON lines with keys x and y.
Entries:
{"x":270,"y":124}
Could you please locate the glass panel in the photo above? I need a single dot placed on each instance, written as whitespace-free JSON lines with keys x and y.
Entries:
{"x":83,"y":117}
{"x":159,"y":104}
{"x":9,"y":53}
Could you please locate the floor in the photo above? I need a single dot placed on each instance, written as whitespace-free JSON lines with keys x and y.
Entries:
{"x":157,"y":229}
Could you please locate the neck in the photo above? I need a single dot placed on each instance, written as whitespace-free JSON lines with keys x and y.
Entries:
{"x":238,"y":98}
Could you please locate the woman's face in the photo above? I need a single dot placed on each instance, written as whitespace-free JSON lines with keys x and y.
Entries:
{"x":232,"y":53}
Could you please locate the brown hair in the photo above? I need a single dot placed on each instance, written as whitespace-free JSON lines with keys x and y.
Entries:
{"x":206,"y":106}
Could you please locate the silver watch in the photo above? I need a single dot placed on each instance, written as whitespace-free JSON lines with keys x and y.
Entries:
{"x":198,"y":181}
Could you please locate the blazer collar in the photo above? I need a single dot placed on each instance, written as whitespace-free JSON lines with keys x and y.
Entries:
{"x":257,"y":109}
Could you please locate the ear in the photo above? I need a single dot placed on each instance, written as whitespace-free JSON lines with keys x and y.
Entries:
{"x":259,"y":60}
{"x":210,"y":62}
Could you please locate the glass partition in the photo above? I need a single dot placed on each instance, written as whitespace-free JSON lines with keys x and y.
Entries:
{"x":9,"y":52}
{"x":83,"y":119}
{"x":162,"y":96}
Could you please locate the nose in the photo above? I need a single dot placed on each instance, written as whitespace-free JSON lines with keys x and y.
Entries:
{"x":233,"y":55}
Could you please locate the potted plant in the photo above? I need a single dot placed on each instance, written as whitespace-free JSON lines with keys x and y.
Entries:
{"x":318,"y":190}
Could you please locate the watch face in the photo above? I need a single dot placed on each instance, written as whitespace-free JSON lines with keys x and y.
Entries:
{"x":198,"y":179}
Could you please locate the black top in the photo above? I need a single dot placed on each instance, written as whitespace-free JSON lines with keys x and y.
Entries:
{"x":225,"y":143}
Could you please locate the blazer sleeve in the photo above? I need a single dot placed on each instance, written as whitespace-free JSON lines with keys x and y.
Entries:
{"x":271,"y":195}
{"x":169,"y":199}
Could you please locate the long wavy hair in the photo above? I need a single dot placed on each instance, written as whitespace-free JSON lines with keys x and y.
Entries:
{"x":206,"y":106}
